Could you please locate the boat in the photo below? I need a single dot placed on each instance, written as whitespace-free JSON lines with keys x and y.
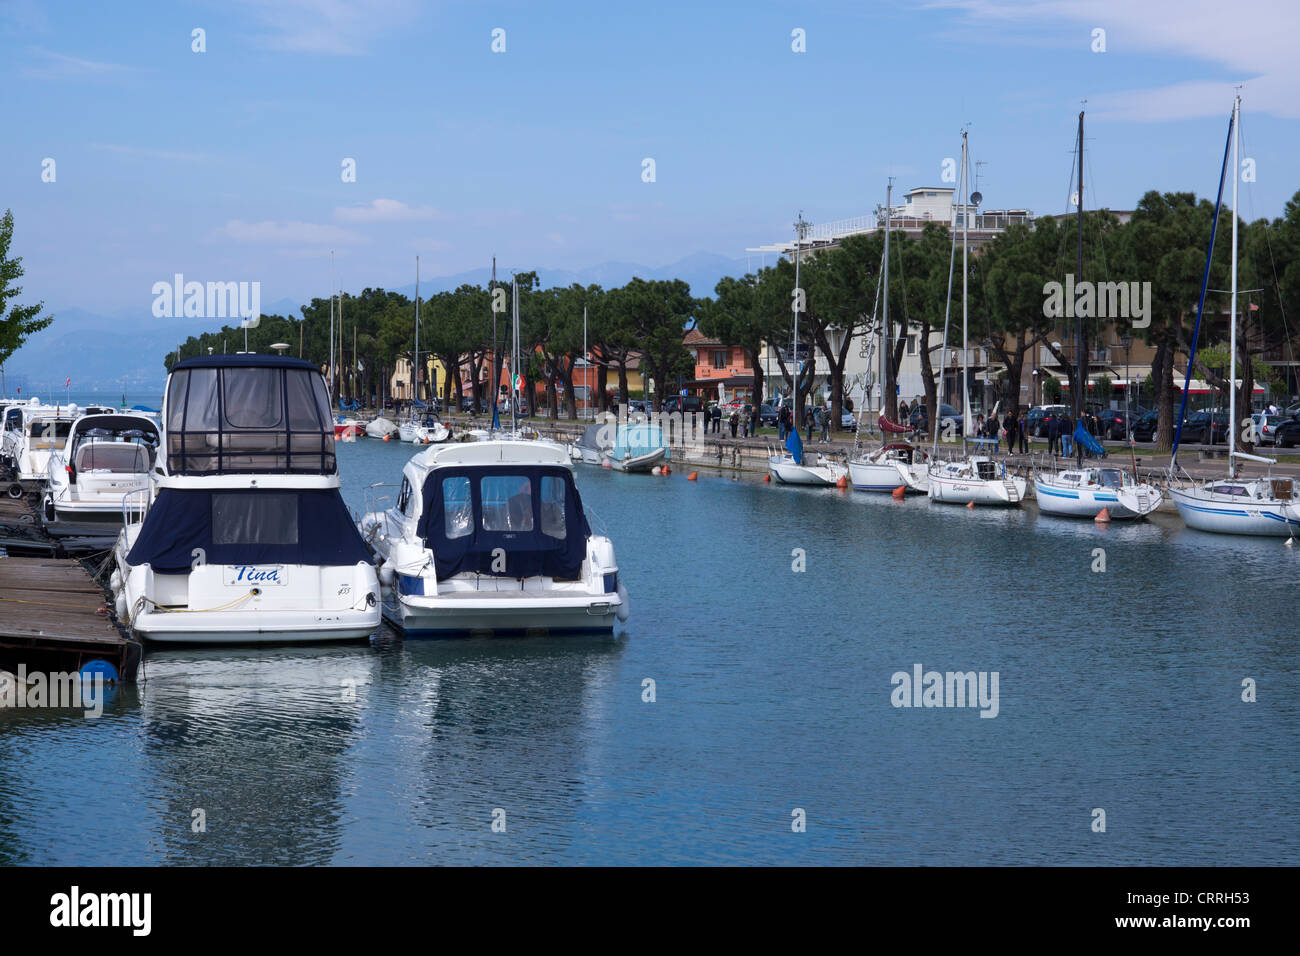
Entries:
{"x":491,"y":537}
{"x":789,"y":468}
{"x":894,"y":465}
{"x":32,"y":433}
{"x":106,"y":458}
{"x":1263,"y":505}
{"x":638,"y":446}
{"x":242,"y":535}
{"x":594,"y":446}
{"x":423,"y":430}
{"x":380,"y":428}
{"x":974,"y":478}
{"x":1086,"y":492}
{"x":348,"y":429}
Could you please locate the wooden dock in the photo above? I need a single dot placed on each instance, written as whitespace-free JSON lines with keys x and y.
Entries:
{"x":54,"y":617}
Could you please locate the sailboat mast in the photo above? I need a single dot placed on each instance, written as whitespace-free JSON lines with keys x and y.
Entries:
{"x":496,"y":354}
{"x":331,"y":383}
{"x":965,"y":340}
{"x":415,"y":366}
{"x":1081,"y":359}
{"x":884,"y":320}
{"x":514,"y":354}
{"x":794,"y":398}
{"x":1232,"y":348}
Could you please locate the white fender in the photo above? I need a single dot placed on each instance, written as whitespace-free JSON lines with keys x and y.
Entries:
{"x":624,"y":608}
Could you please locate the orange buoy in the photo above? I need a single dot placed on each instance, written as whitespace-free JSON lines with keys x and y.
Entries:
{"x":1103,"y":516}
{"x":693,"y":476}
{"x":767,"y":477}
{"x":842,"y":483}
{"x":899,"y":492}
{"x":668,"y":469}
{"x":386,"y":437}
{"x":604,"y":463}
{"x":970,"y":504}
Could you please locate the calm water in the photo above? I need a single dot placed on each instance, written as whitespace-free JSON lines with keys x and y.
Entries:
{"x":1119,"y":690}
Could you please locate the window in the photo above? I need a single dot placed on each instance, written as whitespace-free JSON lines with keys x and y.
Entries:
{"x":507,"y":503}
{"x":255,"y":518}
{"x":404,"y":498}
{"x":553,"y":495}
{"x":911,"y":345}
{"x":719,"y":359}
{"x":457,"y":509}
{"x":745,"y":359}
{"x":252,"y":397}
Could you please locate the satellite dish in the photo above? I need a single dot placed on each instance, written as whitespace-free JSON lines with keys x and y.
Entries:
{"x":976,"y":198}
{"x":280,"y":346}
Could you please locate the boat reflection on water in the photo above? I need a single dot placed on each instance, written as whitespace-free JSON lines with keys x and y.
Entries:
{"x":345,"y":754}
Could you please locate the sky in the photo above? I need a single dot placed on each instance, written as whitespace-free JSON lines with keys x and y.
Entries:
{"x":227,"y":165}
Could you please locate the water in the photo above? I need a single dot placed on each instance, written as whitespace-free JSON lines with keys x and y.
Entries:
{"x":1118,"y":690}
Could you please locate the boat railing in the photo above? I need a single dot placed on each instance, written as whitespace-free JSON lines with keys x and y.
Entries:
{"x":130,"y":509}
{"x":595,"y":522}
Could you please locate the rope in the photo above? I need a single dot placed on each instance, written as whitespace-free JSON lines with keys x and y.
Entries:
{"x":189,"y":610}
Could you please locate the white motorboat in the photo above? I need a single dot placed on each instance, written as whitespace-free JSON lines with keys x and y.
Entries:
{"x":594,"y":446}
{"x":32,"y":433}
{"x":243,"y":536}
{"x":892,"y":466}
{"x":380,"y":428}
{"x":423,"y":431}
{"x":638,"y":446}
{"x":1085,"y":492}
{"x":491,"y":536}
{"x":106,"y":458}
{"x":977,"y":479}
{"x":348,"y":429}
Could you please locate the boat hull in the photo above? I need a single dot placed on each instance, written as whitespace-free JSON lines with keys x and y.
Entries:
{"x":503,"y":613}
{"x":640,"y":462}
{"x":1007,"y":492}
{"x":1088,"y":503}
{"x":871,"y":476}
{"x":1249,"y":517}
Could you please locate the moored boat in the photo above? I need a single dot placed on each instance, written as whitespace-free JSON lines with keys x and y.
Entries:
{"x":1085,"y":492}
{"x":106,"y":458}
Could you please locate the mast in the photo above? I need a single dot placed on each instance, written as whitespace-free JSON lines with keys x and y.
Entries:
{"x":586,"y":364}
{"x":340,"y":350}
{"x":943,"y":356}
{"x":496,"y":354}
{"x":514,"y":354}
{"x":798,"y":292}
{"x":884,"y":321}
{"x":1232,"y":349}
{"x":965,"y":340}
{"x":1081,"y":359}
{"x":415,"y":366}
{"x":331,"y":322}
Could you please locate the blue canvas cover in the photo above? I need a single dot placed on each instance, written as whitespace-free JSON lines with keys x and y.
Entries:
{"x":794,"y":445}
{"x":637,"y":439}
{"x":1088,"y":443}
{"x":533,"y":513}
{"x":248,"y":526}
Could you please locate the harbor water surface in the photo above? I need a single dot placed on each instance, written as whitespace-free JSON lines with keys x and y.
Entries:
{"x":1119,"y":689}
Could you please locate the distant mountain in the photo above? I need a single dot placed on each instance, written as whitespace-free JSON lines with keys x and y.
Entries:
{"x":123,"y":350}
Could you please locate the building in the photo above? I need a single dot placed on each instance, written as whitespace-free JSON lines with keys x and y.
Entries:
{"x":718,"y":365}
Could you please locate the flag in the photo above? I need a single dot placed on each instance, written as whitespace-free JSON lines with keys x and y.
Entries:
{"x":68,"y":383}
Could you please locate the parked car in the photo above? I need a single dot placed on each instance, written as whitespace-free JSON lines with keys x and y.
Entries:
{"x":1287,"y":434}
{"x":1266,"y":427}
{"x":1205,"y":428}
{"x":687,"y":405}
{"x":1114,"y":423}
{"x":1144,"y":429}
{"x":767,"y":414}
{"x":919,"y":419}
{"x":1041,"y":418}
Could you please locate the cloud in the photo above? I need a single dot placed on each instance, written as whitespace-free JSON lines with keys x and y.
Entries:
{"x":61,"y":66}
{"x":337,"y":27}
{"x":287,"y":232}
{"x":1248,"y":41}
{"x":386,"y":210}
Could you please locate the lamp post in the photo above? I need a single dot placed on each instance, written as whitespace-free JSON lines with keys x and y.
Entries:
{"x":1127,"y":342}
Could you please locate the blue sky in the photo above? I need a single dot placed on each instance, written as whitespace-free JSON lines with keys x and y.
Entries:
{"x":225,"y":165}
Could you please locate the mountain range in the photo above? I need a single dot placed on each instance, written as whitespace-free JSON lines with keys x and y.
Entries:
{"x":123,"y":350}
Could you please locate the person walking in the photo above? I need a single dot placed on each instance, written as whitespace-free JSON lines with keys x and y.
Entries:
{"x":826,"y":423}
{"x":780,"y":425}
{"x":1023,"y":430}
{"x":716,"y":413}
{"x":1054,"y":436}
{"x":734,"y":420}
{"x":808,"y":420}
{"x":1067,"y":435}
{"x":1010,"y":426}
{"x":992,"y":429}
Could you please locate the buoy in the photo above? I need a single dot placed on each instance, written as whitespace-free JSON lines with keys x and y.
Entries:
{"x":386,"y":437}
{"x":970,"y":504}
{"x":604,"y":463}
{"x":1290,"y":542}
{"x":899,"y":492}
{"x":767,"y":477}
{"x":656,"y":470}
{"x":1103,"y":516}
{"x":668,"y":469}
{"x":693,"y":476}
{"x":842,"y":483}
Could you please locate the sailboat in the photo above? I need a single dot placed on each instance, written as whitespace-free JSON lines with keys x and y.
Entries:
{"x":421,"y":426}
{"x":1085,"y":491}
{"x":896,"y":464}
{"x":974,"y":478}
{"x":1231,"y":505}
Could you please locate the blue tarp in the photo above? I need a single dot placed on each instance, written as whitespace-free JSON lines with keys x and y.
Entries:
{"x":794,"y":445}
{"x":532,"y":513}
{"x":633,"y":441}
{"x":246,"y":526}
{"x":1089,"y":444}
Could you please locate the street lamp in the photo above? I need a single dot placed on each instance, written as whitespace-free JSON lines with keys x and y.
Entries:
{"x":1127,"y":342}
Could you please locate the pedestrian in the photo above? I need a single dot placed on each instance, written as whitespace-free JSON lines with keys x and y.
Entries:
{"x":716,"y":413}
{"x":734,"y":420}
{"x":902,"y":412}
{"x":1023,"y":430}
{"x":1054,"y":436}
{"x":780,"y":425}
{"x":826,"y":424}
{"x":755,"y":419}
{"x":808,"y":420}
{"x":992,"y":429}
{"x":1067,"y":435}
{"x":1009,"y":427}
{"x":979,"y":426}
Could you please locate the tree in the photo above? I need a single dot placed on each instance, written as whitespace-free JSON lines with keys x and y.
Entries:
{"x":658,"y":310}
{"x":736,"y":320}
{"x":17,"y":322}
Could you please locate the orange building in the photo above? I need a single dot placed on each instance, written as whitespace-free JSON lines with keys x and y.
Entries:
{"x":716,"y":364}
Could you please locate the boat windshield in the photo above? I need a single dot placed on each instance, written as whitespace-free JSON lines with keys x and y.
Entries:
{"x":1112,"y":478}
{"x":238,"y":420}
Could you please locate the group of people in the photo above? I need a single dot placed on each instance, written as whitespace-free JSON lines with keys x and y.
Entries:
{"x":741,"y":424}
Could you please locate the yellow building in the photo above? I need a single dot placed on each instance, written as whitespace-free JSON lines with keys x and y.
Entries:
{"x":399,"y":384}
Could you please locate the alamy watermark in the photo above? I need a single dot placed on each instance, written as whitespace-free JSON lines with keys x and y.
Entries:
{"x":212,"y":300}
{"x":57,"y":690}
{"x":1098,"y":300}
{"x":922,"y":688}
